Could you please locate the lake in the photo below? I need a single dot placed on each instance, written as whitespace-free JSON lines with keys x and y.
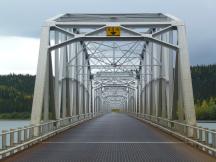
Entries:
{"x":7,"y":124}
{"x":210,"y":125}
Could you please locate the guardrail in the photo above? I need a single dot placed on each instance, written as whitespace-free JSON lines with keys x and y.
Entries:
{"x":202,"y":138}
{"x":21,"y":138}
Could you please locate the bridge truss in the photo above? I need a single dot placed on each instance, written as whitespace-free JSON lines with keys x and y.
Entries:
{"x":91,"y":63}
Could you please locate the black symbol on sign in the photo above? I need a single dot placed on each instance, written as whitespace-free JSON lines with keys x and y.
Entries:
{"x":112,"y":31}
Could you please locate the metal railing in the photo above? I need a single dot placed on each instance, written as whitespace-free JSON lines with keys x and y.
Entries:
{"x":18,"y":139}
{"x":201,"y":138}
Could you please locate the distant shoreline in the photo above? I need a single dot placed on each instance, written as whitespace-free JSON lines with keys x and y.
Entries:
{"x":20,"y":119}
{"x":206,"y":121}
{"x":14,"y":119}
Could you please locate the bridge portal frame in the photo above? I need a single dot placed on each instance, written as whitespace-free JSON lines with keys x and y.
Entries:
{"x":55,"y":92}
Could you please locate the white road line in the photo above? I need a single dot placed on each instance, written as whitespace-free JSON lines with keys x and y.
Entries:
{"x":114,"y":142}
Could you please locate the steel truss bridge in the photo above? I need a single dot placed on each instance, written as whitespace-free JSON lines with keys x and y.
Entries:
{"x":90,"y":64}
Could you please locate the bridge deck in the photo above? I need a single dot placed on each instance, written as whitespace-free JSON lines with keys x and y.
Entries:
{"x":113,"y":138}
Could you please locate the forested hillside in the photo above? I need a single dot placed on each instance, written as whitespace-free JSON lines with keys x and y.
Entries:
{"x":204,"y":81}
{"x":16,"y":93}
{"x":204,"y":87}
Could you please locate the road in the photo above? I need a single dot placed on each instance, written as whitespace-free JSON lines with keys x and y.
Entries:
{"x":112,"y":137}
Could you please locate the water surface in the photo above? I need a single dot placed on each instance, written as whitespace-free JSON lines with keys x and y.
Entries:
{"x":8,"y":124}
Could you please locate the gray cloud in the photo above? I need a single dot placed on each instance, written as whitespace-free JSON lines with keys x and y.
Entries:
{"x":24,"y":18}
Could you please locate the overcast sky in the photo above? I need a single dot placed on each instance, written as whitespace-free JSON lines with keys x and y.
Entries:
{"x":20,"y":22}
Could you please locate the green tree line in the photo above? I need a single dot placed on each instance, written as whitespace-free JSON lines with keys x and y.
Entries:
{"x":16,"y":93}
{"x":204,"y":89}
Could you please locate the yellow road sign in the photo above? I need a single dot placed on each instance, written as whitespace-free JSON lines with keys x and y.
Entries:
{"x":113,"y":31}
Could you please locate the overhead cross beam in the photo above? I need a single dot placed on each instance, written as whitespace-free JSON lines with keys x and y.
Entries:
{"x":147,"y":38}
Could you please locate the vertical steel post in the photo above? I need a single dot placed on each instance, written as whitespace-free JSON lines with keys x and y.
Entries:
{"x":185,"y":79}
{"x":4,"y":139}
{"x":40,"y":77}
{"x":57,"y":95}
